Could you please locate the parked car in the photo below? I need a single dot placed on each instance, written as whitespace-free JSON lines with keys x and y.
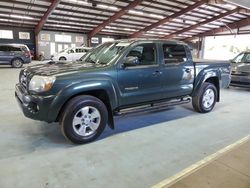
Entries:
{"x":115,"y":77}
{"x":14,"y":54}
{"x":241,"y":70}
{"x":70,"y":54}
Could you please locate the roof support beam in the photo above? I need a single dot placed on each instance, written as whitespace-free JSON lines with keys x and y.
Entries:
{"x":116,"y":16}
{"x":235,"y":25}
{"x":169,"y":18}
{"x":201,"y":23}
{"x":45,"y":17}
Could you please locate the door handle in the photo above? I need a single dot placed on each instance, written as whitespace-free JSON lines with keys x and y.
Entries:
{"x":187,"y":70}
{"x":157,"y":73}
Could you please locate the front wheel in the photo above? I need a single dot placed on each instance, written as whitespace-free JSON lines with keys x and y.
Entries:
{"x":205,"y":99}
{"x":84,"y":119}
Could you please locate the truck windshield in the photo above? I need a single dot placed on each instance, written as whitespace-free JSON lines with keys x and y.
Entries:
{"x":105,"y":53}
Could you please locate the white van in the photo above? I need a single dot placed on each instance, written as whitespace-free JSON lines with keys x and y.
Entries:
{"x":70,"y":54}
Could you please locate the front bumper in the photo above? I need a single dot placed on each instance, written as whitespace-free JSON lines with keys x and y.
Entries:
{"x":240,"y":81}
{"x":34,"y":106}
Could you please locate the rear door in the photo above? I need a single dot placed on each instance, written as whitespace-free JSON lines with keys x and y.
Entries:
{"x":178,"y":70}
{"x":141,"y":82}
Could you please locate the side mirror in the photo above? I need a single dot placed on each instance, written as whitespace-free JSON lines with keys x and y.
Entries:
{"x":131,"y":61}
{"x":231,"y":61}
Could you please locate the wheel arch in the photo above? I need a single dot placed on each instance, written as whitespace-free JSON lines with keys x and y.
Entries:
{"x":62,"y":57}
{"x":98,"y":93}
{"x":215,"y":81}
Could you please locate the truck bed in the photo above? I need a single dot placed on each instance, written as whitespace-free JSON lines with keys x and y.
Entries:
{"x":209,"y":61}
{"x":202,"y":65}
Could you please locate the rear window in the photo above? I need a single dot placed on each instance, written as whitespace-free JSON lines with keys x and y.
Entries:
{"x":3,"y":48}
{"x":25,"y":48}
{"x":174,"y":53}
{"x":8,"y":48}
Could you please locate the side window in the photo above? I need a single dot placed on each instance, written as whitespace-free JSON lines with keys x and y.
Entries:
{"x":3,"y":48}
{"x":71,"y":51}
{"x":80,"y":50}
{"x":247,"y":58}
{"x":14,"y":49}
{"x":146,"y":54}
{"x":174,"y":53}
{"x":238,"y":59}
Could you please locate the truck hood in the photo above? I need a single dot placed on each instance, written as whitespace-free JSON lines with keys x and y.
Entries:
{"x":56,"y":68}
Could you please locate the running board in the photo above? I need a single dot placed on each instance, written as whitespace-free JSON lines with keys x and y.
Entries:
{"x":152,"y":107}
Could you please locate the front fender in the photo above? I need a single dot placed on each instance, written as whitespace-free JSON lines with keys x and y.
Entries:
{"x":78,"y":88}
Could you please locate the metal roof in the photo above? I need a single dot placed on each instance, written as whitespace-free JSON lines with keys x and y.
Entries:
{"x":175,"y":19}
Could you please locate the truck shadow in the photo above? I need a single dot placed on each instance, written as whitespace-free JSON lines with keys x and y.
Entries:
{"x":52,"y":135}
{"x":144,"y":119}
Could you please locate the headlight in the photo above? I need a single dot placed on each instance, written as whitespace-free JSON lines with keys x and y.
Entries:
{"x":41,"y":83}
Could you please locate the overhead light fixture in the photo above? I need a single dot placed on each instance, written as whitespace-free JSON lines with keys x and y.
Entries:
{"x":156,"y":16}
{"x":107,"y":7}
{"x":4,"y":20}
{"x":80,"y":2}
{"x":21,"y":17}
{"x":135,"y":12}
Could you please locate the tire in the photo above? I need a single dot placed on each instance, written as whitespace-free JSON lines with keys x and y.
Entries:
{"x":84,"y":119}
{"x":62,"y":59}
{"x":17,"y":63}
{"x":205,"y":99}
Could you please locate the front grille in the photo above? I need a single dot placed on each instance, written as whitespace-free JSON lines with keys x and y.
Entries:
{"x":24,"y":78}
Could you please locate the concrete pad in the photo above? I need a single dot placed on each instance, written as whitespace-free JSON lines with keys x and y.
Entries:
{"x":215,"y":175}
{"x":229,"y":170}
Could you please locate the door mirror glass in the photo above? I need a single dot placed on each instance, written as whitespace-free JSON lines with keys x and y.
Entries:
{"x":131,"y":61}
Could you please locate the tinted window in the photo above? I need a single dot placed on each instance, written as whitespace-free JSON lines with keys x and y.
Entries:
{"x":3,"y":48}
{"x":80,"y":50}
{"x":146,"y":54}
{"x":14,"y":49}
{"x":174,"y":53}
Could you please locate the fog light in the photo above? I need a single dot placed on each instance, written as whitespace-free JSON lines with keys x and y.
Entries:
{"x":33,"y":107}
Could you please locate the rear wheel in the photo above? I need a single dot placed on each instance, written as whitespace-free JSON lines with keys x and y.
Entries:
{"x":62,"y":59}
{"x":17,"y":63}
{"x":205,"y":99}
{"x":84,"y":119}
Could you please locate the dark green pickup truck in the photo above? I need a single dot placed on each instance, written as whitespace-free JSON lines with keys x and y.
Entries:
{"x":114,"y":77}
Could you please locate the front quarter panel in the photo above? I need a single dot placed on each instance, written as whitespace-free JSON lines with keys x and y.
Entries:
{"x":78,"y":88}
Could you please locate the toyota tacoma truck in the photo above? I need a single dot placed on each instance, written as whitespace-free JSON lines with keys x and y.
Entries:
{"x":114,"y":78}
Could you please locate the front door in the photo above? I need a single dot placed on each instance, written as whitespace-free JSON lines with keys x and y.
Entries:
{"x":140,"y":82}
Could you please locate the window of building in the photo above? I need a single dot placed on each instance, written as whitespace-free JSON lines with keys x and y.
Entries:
{"x":174,"y":53}
{"x":62,"y":38}
{"x":24,"y":35}
{"x":6,"y":34}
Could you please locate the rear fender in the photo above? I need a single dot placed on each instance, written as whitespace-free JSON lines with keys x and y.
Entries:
{"x":212,"y":76}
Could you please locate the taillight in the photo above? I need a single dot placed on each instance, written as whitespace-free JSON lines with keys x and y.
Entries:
{"x":27,"y":54}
